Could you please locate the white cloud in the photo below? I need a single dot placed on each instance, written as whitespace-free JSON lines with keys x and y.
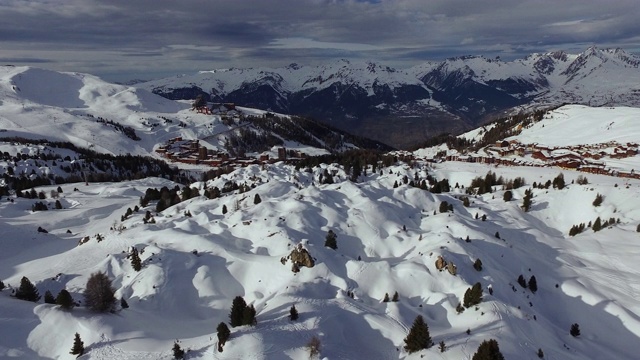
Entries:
{"x":305,"y":43}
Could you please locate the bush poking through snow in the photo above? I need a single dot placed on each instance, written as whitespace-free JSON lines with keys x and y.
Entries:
{"x":477,"y":265}
{"x":99,"y":293}
{"x":314,"y":347}
{"x":330,"y":240}
{"x":178,"y":353}
{"x":575,"y":330}
{"x":293,"y":313}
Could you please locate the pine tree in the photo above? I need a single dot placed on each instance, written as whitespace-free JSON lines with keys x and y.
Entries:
{"x":237,"y":311}
{"x":526,"y":201}
{"x":178,"y":353}
{"x":223,"y":335}
{"x":48,"y":298}
{"x":488,"y":350}
{"x":136,"y":263}
{"x":331,"y":240}
{"x":386,"y":297}
{"x":522,"y":281}
{"x":477,"y":265}
{"x":442,"y":346}
{"x":99,"y":294}
{"x":540,"y":353}
{"x":597,"y":225}
{"x":65,"y":300}
{"x":293,"y":313}
{"x":249,"y":316}
{"x":224,"y":209}
{"x":78,"y":346}
{"x":575,"y":330}
{"x":598,"y":200}
{"x":1,"y":285}
{"x":256,"y":199}
{"x":473,"y":295}
{"x":418,"y":337}
{"x":533,"y":284}
{"x":396,"y":297}
{"x":558,"y":182}
{"x":27,"y":291}
{"x":508,"y":195}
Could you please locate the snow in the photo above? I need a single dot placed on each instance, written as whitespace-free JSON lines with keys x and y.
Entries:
{"x":194,"y":266}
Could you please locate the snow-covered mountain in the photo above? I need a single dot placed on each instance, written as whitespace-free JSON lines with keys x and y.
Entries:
{"x":236,"y":237}
{"x":115,"y":119}
{"x":452,"y":95}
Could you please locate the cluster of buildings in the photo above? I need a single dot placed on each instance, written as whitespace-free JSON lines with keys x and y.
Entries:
{"x":192,"y":152}
{"x":586,"y":158}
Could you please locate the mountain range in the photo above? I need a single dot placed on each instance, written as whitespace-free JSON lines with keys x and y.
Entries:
{"x":74,"y":203}
{"x":402,"y":107}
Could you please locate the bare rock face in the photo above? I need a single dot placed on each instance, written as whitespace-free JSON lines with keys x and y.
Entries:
{"x":300,"y":257}
{"x":440,"y":263}
{"x":452,"y":269}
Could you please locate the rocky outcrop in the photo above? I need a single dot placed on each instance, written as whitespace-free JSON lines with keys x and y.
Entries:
{"x":300,"y":257}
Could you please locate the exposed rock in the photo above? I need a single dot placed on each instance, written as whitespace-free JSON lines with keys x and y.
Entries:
{"x":440,"y":263}
{"x":452,"y":268}
{"x":300,"y":257}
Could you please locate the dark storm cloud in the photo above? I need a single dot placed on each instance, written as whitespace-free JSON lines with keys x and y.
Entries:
{"x":166,"y":36}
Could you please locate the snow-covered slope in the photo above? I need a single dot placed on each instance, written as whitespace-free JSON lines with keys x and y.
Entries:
{"x":388,"y":241}
{"x":116,"y":119}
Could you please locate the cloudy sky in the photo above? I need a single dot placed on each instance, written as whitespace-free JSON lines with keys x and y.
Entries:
{"x":126,"y":39}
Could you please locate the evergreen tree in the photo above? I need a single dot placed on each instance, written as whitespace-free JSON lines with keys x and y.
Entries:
{"x":27,"y":291}
{"x":178,"y":353}
{"x":522,"y":281}
{"x":65,"y":300}
{"x":223,"y":335}
{"x":330,"y":240}
{"x":78,"y":346}
{"x":249,"y":316}
{"x":597,"y":225}
{"x":598,"y":200}
{"x":293,"y":313}
{"x":473,"y":295}
{"x":136,"y":263}
{"x":533,"y":284}
{"x":540,"y":353}
{"x":477,"y":265}
{"x":558,"y":182}
{"x":575,"y":330}
{"x":256,"y":199}
{"x":237,"y":311}
{"x":396,"y":297}
{"x":418,"y":337}
{"x":442,"y":346}
{"x":1,"y":285}
{"x":444,"y":207}
{"x":386,"y":297}
{"x":508,"y":195}
{"x":224,"y":209}
{"x":123,"y":303}
{"x":99,"y":294}
{"x":488,"y":350}
{"x":526,"y":201}
{"x":48,"y":298}
{"x":58,"y":205}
